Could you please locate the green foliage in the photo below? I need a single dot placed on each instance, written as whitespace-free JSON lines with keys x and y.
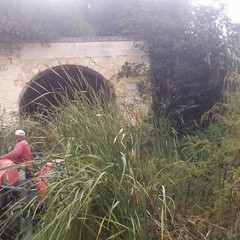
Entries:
{"x":185,"y":45}
{"x":6,"y":139}
{"x":214,"y":155}
{"x":137,"y":182}
{"x":31,"y":21}
{"x":142,"y":182}
{"x":104,"y":16}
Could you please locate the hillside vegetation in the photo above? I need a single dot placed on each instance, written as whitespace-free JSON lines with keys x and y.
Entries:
{"x":175,"y":174}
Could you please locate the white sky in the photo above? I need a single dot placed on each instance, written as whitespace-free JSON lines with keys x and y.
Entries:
{"x":233,"y":7}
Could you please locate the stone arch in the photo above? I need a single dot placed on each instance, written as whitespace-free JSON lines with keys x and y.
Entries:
{"x":42,"y":89}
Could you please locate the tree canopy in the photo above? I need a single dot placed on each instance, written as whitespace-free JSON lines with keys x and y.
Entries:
{"x":41,"y":21}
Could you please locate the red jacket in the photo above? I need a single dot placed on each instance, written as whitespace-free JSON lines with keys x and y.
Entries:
{"x":21,"y":153}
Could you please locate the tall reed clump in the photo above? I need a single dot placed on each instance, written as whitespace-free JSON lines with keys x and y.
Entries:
{"x":110,"y":187}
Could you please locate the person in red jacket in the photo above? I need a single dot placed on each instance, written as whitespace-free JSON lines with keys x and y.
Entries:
{"x":21,"y":152}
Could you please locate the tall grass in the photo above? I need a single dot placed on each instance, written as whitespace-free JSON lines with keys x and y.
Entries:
{"x":110,"y":188}
{"x":121,"y":181}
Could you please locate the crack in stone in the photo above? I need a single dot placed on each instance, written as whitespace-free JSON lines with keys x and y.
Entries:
{"x":91,"y":60}
{"x":10,"y":60}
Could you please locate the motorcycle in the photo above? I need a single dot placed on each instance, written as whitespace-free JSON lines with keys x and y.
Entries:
{"x":22,"y":193}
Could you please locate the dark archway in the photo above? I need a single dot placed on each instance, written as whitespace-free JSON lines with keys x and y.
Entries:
{"x":42,"y":92}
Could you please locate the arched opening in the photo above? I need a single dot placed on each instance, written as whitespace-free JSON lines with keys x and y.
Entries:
{"x":42,"y":92}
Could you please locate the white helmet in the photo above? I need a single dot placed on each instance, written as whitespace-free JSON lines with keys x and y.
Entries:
{"x":20,"y":133}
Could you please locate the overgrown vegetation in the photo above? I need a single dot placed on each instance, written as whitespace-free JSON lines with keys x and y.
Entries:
{"x":147,"y":181}
{"x":139,"y":182}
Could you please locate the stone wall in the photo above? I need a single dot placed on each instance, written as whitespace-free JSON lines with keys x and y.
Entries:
{"x":105,"y":56}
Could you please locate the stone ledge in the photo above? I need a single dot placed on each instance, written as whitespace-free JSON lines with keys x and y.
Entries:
{"x":93,"y":39}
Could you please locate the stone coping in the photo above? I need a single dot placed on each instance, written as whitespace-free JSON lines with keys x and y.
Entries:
{"x":100,"y":39}
{"x":89,"y":39}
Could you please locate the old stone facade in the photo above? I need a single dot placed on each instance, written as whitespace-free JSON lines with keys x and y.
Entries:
{"x":104,"y":56}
